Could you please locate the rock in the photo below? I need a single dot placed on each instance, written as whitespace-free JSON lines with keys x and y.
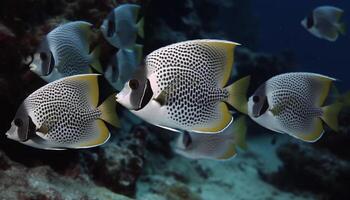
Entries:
{"x":306,"y":168}
{"x":42,"y":183}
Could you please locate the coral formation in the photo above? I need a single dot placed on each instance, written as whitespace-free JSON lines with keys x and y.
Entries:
{"x":306,"y":168}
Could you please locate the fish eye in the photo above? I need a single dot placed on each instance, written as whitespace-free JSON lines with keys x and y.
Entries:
{"x":18,"y":122}
{"x":134,"y":84}
{"x":187,"y":140}
{"x":43,"y":56}
{"x":256,"y":99}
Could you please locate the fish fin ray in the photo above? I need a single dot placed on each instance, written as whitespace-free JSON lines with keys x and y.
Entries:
{"x":101,"y":135}
{"x":138,"y":49}
{"x":92,"y":82}
{"x":238,"y":94}
{"x":229,"y":153}
{"x":217,"y":125}
{"x":240,"y":132}
{"x":324,"y":84}
{"x":140,"y":26}
{"x":342,"y":28}
{"x":330,"y":115}
{"x":108,"y":110}
{"x":228,"y":48}
{"x":314,"y":134}
{"x":95,"y":59}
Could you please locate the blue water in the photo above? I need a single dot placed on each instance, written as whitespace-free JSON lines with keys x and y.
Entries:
{"x":280,"y":29}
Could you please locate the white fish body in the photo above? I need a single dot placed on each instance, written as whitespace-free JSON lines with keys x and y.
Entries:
{"x":292,"y":104}
{"x":220,"y":146}
{"x":64,"y":114}
{"x":324,"y":23}
{"x":67,"y":47}
{"x":120,"y":28}
{"x":190,"y":78}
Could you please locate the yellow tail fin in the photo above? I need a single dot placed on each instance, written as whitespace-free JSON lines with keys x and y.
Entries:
{"x":109,"y":113}
{"x":240,"y":132}
{"x":138,"y":49}
{"x":95,"y":59}
{"x":140,"y":28}
{"x":330,"y":115}
{"x":342,"y":28}
{"x":238,"y":94}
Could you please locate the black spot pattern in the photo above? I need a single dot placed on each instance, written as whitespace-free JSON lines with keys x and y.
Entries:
{"x":65,"y":109}
{"x":69,"y":44}
{"x":297,"y":93}
{"x":189,"y":72}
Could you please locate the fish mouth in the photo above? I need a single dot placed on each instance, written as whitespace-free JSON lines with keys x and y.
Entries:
{"x":258,"y":112}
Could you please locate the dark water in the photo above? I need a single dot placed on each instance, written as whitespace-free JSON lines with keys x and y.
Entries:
{"x":279,"y":29}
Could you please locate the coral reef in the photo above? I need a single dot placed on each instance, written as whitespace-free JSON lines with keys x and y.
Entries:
{"x":306,"y":168}
{"x":43,"y":183}
{"x":239,"y":178}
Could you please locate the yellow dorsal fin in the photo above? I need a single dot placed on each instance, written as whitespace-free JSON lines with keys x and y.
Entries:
{"x":326,"y":84}
{"x":92,"y":82}
{"x":228,"y":48}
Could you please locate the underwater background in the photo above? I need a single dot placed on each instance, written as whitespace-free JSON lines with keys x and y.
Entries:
{"x":138,"y":161}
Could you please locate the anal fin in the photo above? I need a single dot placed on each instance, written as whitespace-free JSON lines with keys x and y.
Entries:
{"x":217,"y":124}
{"x":314,"y":133}
{"x":99,"y":135}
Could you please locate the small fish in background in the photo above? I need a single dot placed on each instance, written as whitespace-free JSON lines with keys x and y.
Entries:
{"x":121,"y":28}
{"x":64,"y":114}
{"x":292,"y":103}
{"x":324,"y":22}
{"x":125,"y":63}
{"x":185,"y":87}
{"x":65,"y":51}
{"x":221,"y":146}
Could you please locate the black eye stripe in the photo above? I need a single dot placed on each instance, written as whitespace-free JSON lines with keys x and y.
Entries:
{"x":256,"y":99}
{"x":310,"y":21}
{"x":43,"y":56}
{"x":264,"y":107}
{"x":18,"y":122}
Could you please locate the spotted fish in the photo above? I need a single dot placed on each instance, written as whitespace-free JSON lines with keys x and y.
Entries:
{"x":184,"y":87}
{"x":65,"y":51}
{"x":221,"y":146}
{"x":64,"y":114}
{"x":292,"y":103}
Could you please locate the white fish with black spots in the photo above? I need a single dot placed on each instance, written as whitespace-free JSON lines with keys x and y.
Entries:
{"x":184,"y":87}
{"x":64,"y":114}
{"x":65,"y":51}
{"x":324,"y":22}
{"x":121,"y":28}
{"x":221,"y":146}
{"x":293,"y":104}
